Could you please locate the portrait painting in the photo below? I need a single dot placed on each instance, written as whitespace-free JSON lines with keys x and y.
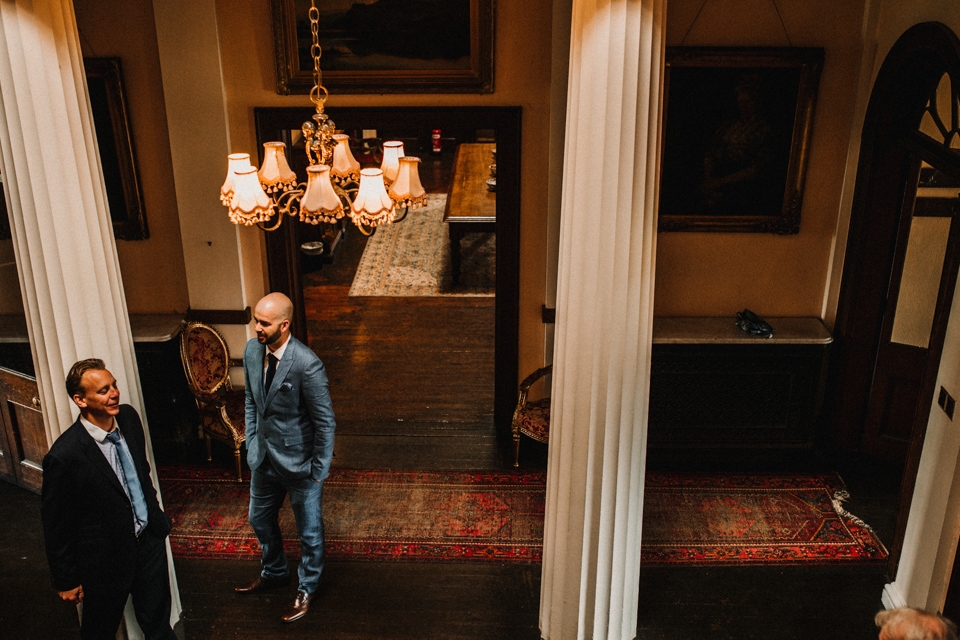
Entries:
{"x":737,"y":130}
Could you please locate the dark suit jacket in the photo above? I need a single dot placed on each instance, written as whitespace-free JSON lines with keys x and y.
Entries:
{"x":293,"y":423}
{"x":87,"y":518}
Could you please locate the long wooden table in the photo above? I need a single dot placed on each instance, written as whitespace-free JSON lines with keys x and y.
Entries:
{"x":471,"y":206}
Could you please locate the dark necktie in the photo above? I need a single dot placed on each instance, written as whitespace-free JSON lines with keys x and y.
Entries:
{"x":130,"y":480}
{"x":271,"y":370}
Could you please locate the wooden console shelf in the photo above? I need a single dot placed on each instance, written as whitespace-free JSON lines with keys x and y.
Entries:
{"x":714,"y":386}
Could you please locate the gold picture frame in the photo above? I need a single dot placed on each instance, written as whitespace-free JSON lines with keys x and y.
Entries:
{"x":738,"y":124}
{"x":440,"y":47}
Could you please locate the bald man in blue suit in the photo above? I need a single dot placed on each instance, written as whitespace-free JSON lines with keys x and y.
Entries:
{"x":290,"y":426}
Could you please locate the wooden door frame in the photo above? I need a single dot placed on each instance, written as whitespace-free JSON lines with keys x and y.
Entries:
{"x":911,"y":70}
{"x":283,"y":263}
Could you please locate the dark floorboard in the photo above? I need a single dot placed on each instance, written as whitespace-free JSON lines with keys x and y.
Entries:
{"x":29,"y":607}
{"x":369,"y":600}
{"x":759,"y":603}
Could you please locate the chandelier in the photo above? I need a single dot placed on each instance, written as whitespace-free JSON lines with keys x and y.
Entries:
{"x":336,"y":185}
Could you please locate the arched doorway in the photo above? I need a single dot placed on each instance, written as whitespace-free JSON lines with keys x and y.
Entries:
{"x":901,"y":260}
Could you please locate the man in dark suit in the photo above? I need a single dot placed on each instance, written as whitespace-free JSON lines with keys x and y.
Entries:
{"x":290,"y":425}
{"x":102,"y":525}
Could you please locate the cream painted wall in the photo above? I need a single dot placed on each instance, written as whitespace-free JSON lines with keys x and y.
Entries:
{"x":154,"y":279}
{"x":522,"y":77}
{"x":721,"y":273}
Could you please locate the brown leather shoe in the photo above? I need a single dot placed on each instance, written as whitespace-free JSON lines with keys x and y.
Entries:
{"x":299,"y":607}
{"x":262,"y":584}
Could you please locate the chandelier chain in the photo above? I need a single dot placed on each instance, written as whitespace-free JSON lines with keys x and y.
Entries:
{"x":315,"y":53}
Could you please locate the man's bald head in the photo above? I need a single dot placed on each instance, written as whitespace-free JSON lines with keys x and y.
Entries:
{"x":272,"y":315}
{"x":276,"y":304}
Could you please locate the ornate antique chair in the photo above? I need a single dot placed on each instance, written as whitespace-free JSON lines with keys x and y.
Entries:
{"x":206,"y":361}
{"x":532,"y":418}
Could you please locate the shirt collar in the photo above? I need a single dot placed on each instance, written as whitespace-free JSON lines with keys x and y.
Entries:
{"x":95,"y":432}
{"x":278,"y":354}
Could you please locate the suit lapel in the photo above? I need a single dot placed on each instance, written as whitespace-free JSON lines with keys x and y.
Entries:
{"x":99,"y":462}
{"x":282,"y":369}
{"x":257,"y":382}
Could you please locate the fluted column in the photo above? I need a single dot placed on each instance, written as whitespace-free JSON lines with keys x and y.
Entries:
{"x":62,"y":235}
{"x":591,"y":566}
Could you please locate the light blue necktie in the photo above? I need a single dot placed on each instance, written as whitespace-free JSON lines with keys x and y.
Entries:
{"x":131,"y":480}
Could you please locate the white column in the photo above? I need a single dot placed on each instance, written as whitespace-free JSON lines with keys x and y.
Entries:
{"x":591,"y":565}
{"x":62,"y":235}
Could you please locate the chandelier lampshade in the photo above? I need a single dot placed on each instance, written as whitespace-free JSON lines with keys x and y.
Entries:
{"x":345,"y":167}
{"x":392,"y":152}
{"x":406,"y":190}
{"x":373,"y":205}
{"x":275,"y":174}
{"x":235,"y":161}
{"x":320,"y":203}
{"x":250,"y":204}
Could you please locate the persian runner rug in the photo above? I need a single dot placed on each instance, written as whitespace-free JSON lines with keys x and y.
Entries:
{"x":370,"y":515}
{"x":412,"y":258}
{"x":492,"y":516}
{"x":753,"y":519}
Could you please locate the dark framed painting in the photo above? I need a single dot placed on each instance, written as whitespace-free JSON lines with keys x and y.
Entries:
{"x":738,"y":124}
{"x":120,"y":175}
{"x":387,"y":46}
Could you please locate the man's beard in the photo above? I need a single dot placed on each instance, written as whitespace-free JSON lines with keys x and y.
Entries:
{"x":270,"y":338}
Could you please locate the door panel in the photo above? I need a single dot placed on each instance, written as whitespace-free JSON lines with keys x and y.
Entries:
{"x":915,"y":297}
{"x":24,"y":438}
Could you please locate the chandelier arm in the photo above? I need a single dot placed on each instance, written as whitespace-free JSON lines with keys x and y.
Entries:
{"x":406,"y":209}
{"x":367,"y":231}
{"x":272,"y":227}
{"x":288,"y":201}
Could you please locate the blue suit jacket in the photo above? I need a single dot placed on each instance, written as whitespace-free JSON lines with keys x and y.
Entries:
{"x":293,"y":423}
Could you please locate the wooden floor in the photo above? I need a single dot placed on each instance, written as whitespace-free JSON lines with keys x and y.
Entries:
{"x":412,"y":387}
{"x":411,"y":378}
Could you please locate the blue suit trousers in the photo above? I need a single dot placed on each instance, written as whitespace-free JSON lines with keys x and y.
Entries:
{"x":267,"y":492}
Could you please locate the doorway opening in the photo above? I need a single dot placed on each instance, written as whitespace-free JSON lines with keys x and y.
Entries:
{"x":421,"y":347}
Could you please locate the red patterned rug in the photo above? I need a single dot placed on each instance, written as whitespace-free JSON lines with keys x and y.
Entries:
{"x":370,"y":515}
{"x":753,"y":519}
{"x":492,"y":516}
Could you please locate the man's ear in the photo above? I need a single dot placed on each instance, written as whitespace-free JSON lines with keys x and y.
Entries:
{"x":80,"y":402}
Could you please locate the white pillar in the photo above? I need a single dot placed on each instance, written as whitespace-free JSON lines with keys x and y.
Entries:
{"x":62,"y":235}
{"x":591,"y":565}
